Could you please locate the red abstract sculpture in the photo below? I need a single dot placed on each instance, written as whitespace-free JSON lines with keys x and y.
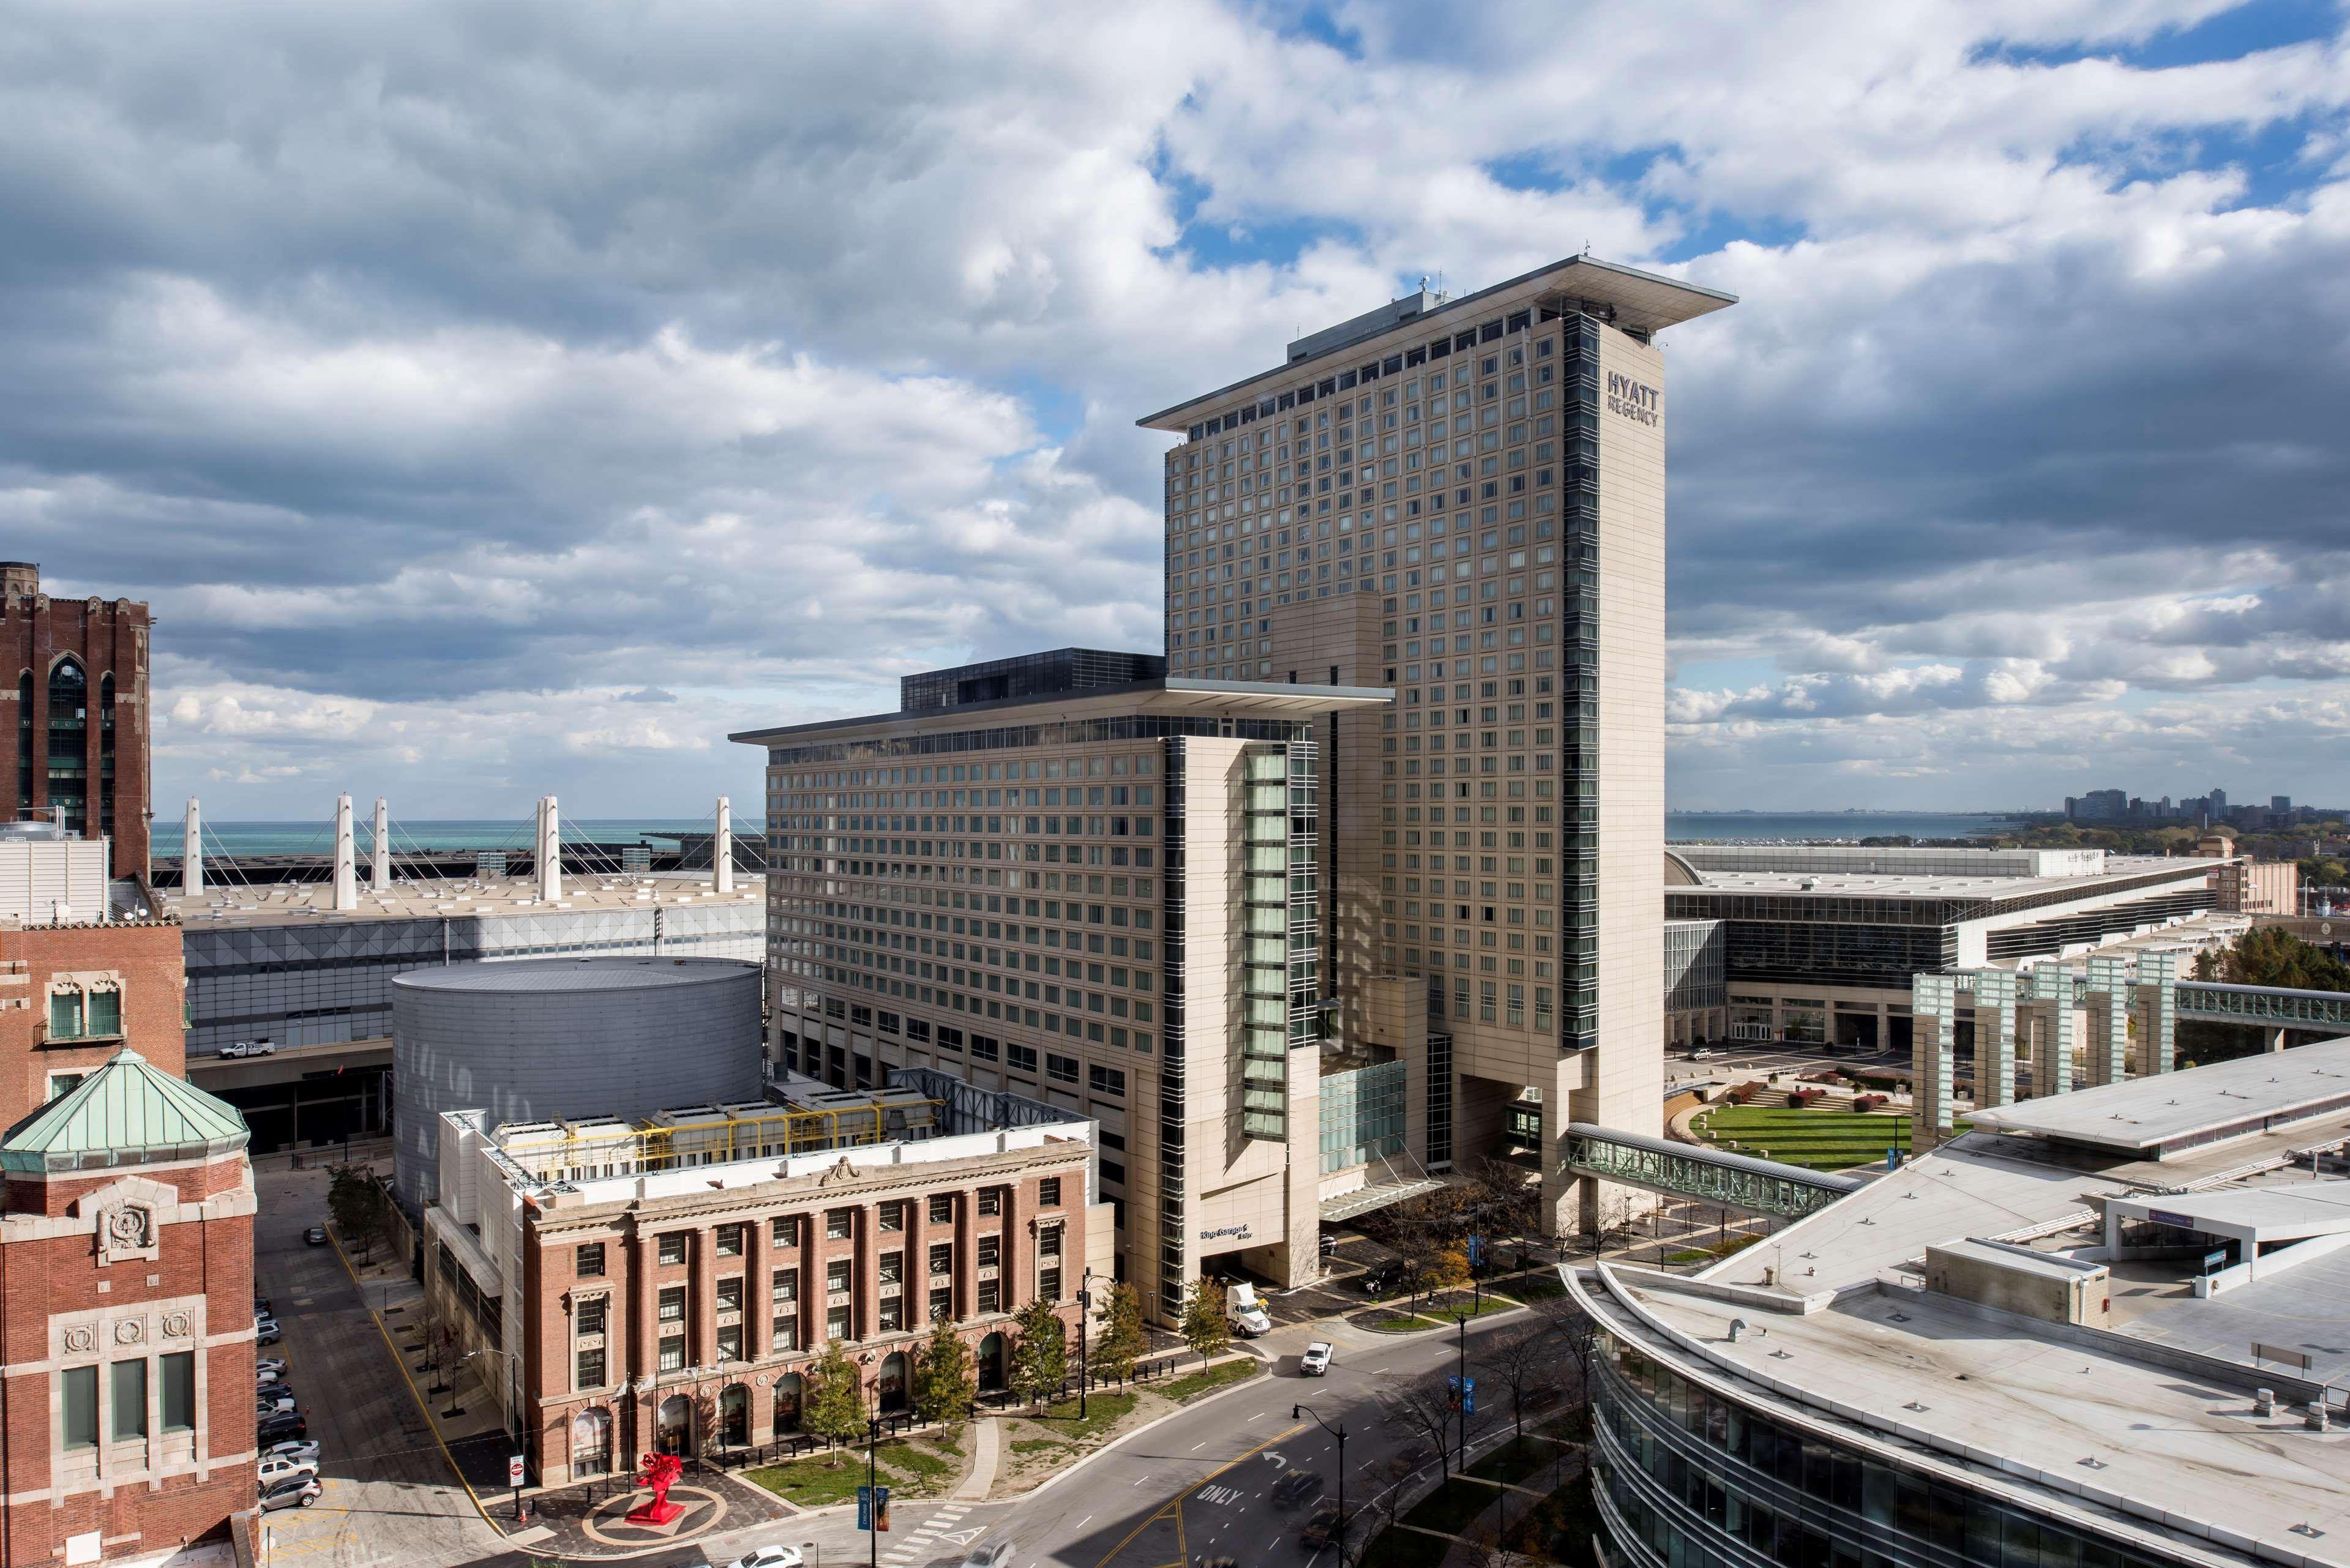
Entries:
{"x":660,"y":1472}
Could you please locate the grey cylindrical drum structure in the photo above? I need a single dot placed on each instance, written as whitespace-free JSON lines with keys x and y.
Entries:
{"x":534,"y":1039}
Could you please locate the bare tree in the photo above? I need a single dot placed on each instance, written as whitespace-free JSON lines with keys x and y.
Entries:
{"x":1426,"y":1409}
{"x":1525,"y":1362}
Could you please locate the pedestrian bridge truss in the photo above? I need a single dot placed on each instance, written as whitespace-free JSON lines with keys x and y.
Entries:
{"x":1702,"y":1175}
{"x":2264,"y":1004}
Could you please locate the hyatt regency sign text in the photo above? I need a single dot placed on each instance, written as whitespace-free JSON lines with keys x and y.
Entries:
{"x":1633,"y":400}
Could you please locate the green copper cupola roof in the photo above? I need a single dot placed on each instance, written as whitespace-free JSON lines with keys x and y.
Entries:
{"x":129,"y":1111}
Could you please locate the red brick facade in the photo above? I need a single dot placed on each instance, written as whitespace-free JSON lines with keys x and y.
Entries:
{"x":140,"y":1263}
{"x":108,"y":639}
{"x":724,"y":1251}
{"x":143,"y":961}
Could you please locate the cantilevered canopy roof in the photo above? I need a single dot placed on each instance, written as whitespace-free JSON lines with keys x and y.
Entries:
{"x":129,"y":1111}
{"x":1644,"y":301}
{"x":1236,"y":699}
{"x":2141,"y":1116}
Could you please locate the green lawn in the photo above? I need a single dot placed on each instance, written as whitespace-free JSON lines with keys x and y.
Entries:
{"x":812,"y":1482}
{"x":1215,"y":1376}
{"x":1102,"y":1412}
{"x":1817,"y":1139}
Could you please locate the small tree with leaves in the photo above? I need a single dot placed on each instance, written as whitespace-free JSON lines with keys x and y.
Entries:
{"x":833,"y":1405}
{"x":1040,"y":1363}
{"x":1203,"y":1327}
{"x":1122,"y":1341}
{"x":945,"y":1379}
{"x":356,"y":1203}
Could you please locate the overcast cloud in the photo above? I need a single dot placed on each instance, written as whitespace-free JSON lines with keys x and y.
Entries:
{"x":501,"y":399}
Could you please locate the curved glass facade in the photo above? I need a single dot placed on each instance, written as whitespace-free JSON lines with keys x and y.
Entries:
{"x":1687,"y":1479}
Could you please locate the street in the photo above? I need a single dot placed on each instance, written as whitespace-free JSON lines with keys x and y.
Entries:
{"x":390,"y":1497}
{"x":1195,"y":1485}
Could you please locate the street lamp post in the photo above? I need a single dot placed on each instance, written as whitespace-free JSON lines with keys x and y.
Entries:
{"x":1085,"y":1314}
{"x":514,"y":1407}
{"x":1461,"y":1463}
{"x":1339,"y":1432}
{"x":873,"y":1488}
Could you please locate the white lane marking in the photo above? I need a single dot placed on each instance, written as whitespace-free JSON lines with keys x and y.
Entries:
{"x":1086,"y":1521}
{"x":1258,"y":1416}
{"x":1197,"y":1447}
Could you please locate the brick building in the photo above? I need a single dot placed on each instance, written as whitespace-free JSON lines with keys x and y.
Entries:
{"x":87,"y":966}
{"x":125,"y":1330}
{"x":637,"y":1297}
{"x":80,"y":739}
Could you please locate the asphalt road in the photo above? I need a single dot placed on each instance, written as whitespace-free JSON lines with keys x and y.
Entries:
{"x":390,"y":1497}
{"x":1195,"y":1487}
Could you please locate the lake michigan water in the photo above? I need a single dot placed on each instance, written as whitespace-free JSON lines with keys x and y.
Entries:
{"x":317,"y":837}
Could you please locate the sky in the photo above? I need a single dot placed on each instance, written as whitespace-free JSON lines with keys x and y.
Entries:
{"x":499,"y":399}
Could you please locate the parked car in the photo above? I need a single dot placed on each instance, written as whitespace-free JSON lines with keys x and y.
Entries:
{"x":1296,"y":1488}
{"x":270,"y":1367}
{"x":262,"y":1047}
{"x":998,"y":1555}
{"x":316,"y":1235}
{"x":265,"y":1330}
{"x":1384,"y":1279}
{"x":275,"y":1467}
{"x":272,"y":1404}
{"x":1329,"y":1243}
{"x":292,"y":1427}
{"x":1315,"y":1362}
{"x":1322,"y":1529}
{"x":294,"y":1491}
{"x":302,"y":1448}
{"x":769,"y":1557}
{"x":1701,"y":1054}
{"x":261,"y":1306}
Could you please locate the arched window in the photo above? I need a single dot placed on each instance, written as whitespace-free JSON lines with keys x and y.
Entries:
{"x":25,"y":744}
{"x":69,"y":748}
{"x":106,"y":753}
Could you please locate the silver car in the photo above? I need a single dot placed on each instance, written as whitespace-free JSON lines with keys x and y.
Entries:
{"x":998,"y":1555}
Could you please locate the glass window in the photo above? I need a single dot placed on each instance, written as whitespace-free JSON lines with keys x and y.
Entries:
{"x":730,"y":1240}
{"x":729,"y":1293}
{"x":105,"y":1013}
{"x":1048,"y":1285}
{"x":836,"y":1274}
{"x":80,"y":1390}
{"x":786,"y":1231}
{"x":590,"y":1261}
{"x":942,"y":1258}
{"x":730,"y":1343}
{"x":787,"y":1332}
{"x":942,"y":1303}
{"x":179,"y":1370}
{"x":64,"y":1015}
{"x":941,"y":1207}
{"x":672,"y":1248}
{"x":839,"y":1224}
{"x":990,"y":1297}
{"x":893,"y":1313}
{"x":591,"y":1312}
{"x":893,"y":1216}
{"x":787,"y":1285}
{"x":991,"y":1201}
{"x":672,"y":1303}
{"x":590,"y":1371}
{"x":1048,"y":1192}
{"x":672,"y":1354}
{"x":129,"y":1382}
{"x":836,"y":1323}
{"x":991,"y":1251}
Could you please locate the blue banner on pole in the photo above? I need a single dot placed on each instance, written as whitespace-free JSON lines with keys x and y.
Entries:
{"x":865,"y":1508}
{"x":873,"y":1509}
{"x":1469,"y":1395}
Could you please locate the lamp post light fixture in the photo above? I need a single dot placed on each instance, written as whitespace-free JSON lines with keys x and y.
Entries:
{"x":873,"y":1488}
{"x":1084,"y":1316}
{"x":1339,"y":1432}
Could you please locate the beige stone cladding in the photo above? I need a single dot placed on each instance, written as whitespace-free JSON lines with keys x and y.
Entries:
{"x":980,"y":911}
{"x":1466,"y":467}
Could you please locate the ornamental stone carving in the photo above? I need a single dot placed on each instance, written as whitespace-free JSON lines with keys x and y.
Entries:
{"x":80,"y":1339}
{"x":129,"y":1331}
{"x":177,"y":1326}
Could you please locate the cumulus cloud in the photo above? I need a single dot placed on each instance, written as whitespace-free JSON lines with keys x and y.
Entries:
{"x":505,"y":397}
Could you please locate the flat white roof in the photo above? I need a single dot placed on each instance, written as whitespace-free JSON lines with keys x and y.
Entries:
{"x":2263,"y":1213}
{"x":1892,"y":884}
{"x":223,"y":905}
{"x":2147,"y":1113}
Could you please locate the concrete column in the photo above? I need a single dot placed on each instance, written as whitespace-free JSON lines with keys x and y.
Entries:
{"x":346,"y":884}
{"x":2276,"y":1038}
{"x":722,"y":850}
{"x":380,"y":852}
{"x":2109,"y":1003}
{"x":2157,"y":1012}
{"x":2050,"y":987}
{"x":1994,"y":992}
{"x":918,"y":1263}
{"x":192,"y":853}
{"x":550,"y":851}
{"x":1934,"y":1004}
{"x":1018,"y":1275}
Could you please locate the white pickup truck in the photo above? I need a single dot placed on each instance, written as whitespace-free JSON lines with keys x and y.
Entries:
{"x":1244,"y":1312}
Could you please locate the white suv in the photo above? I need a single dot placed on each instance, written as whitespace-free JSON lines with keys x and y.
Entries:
{"x":277,"y":1467}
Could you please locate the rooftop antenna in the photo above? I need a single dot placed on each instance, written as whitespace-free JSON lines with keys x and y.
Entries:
{"x":1586,"y":247}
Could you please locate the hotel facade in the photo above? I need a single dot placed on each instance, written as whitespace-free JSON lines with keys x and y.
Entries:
{"x":1070,"y":877}
{"x":1463,"y":500}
